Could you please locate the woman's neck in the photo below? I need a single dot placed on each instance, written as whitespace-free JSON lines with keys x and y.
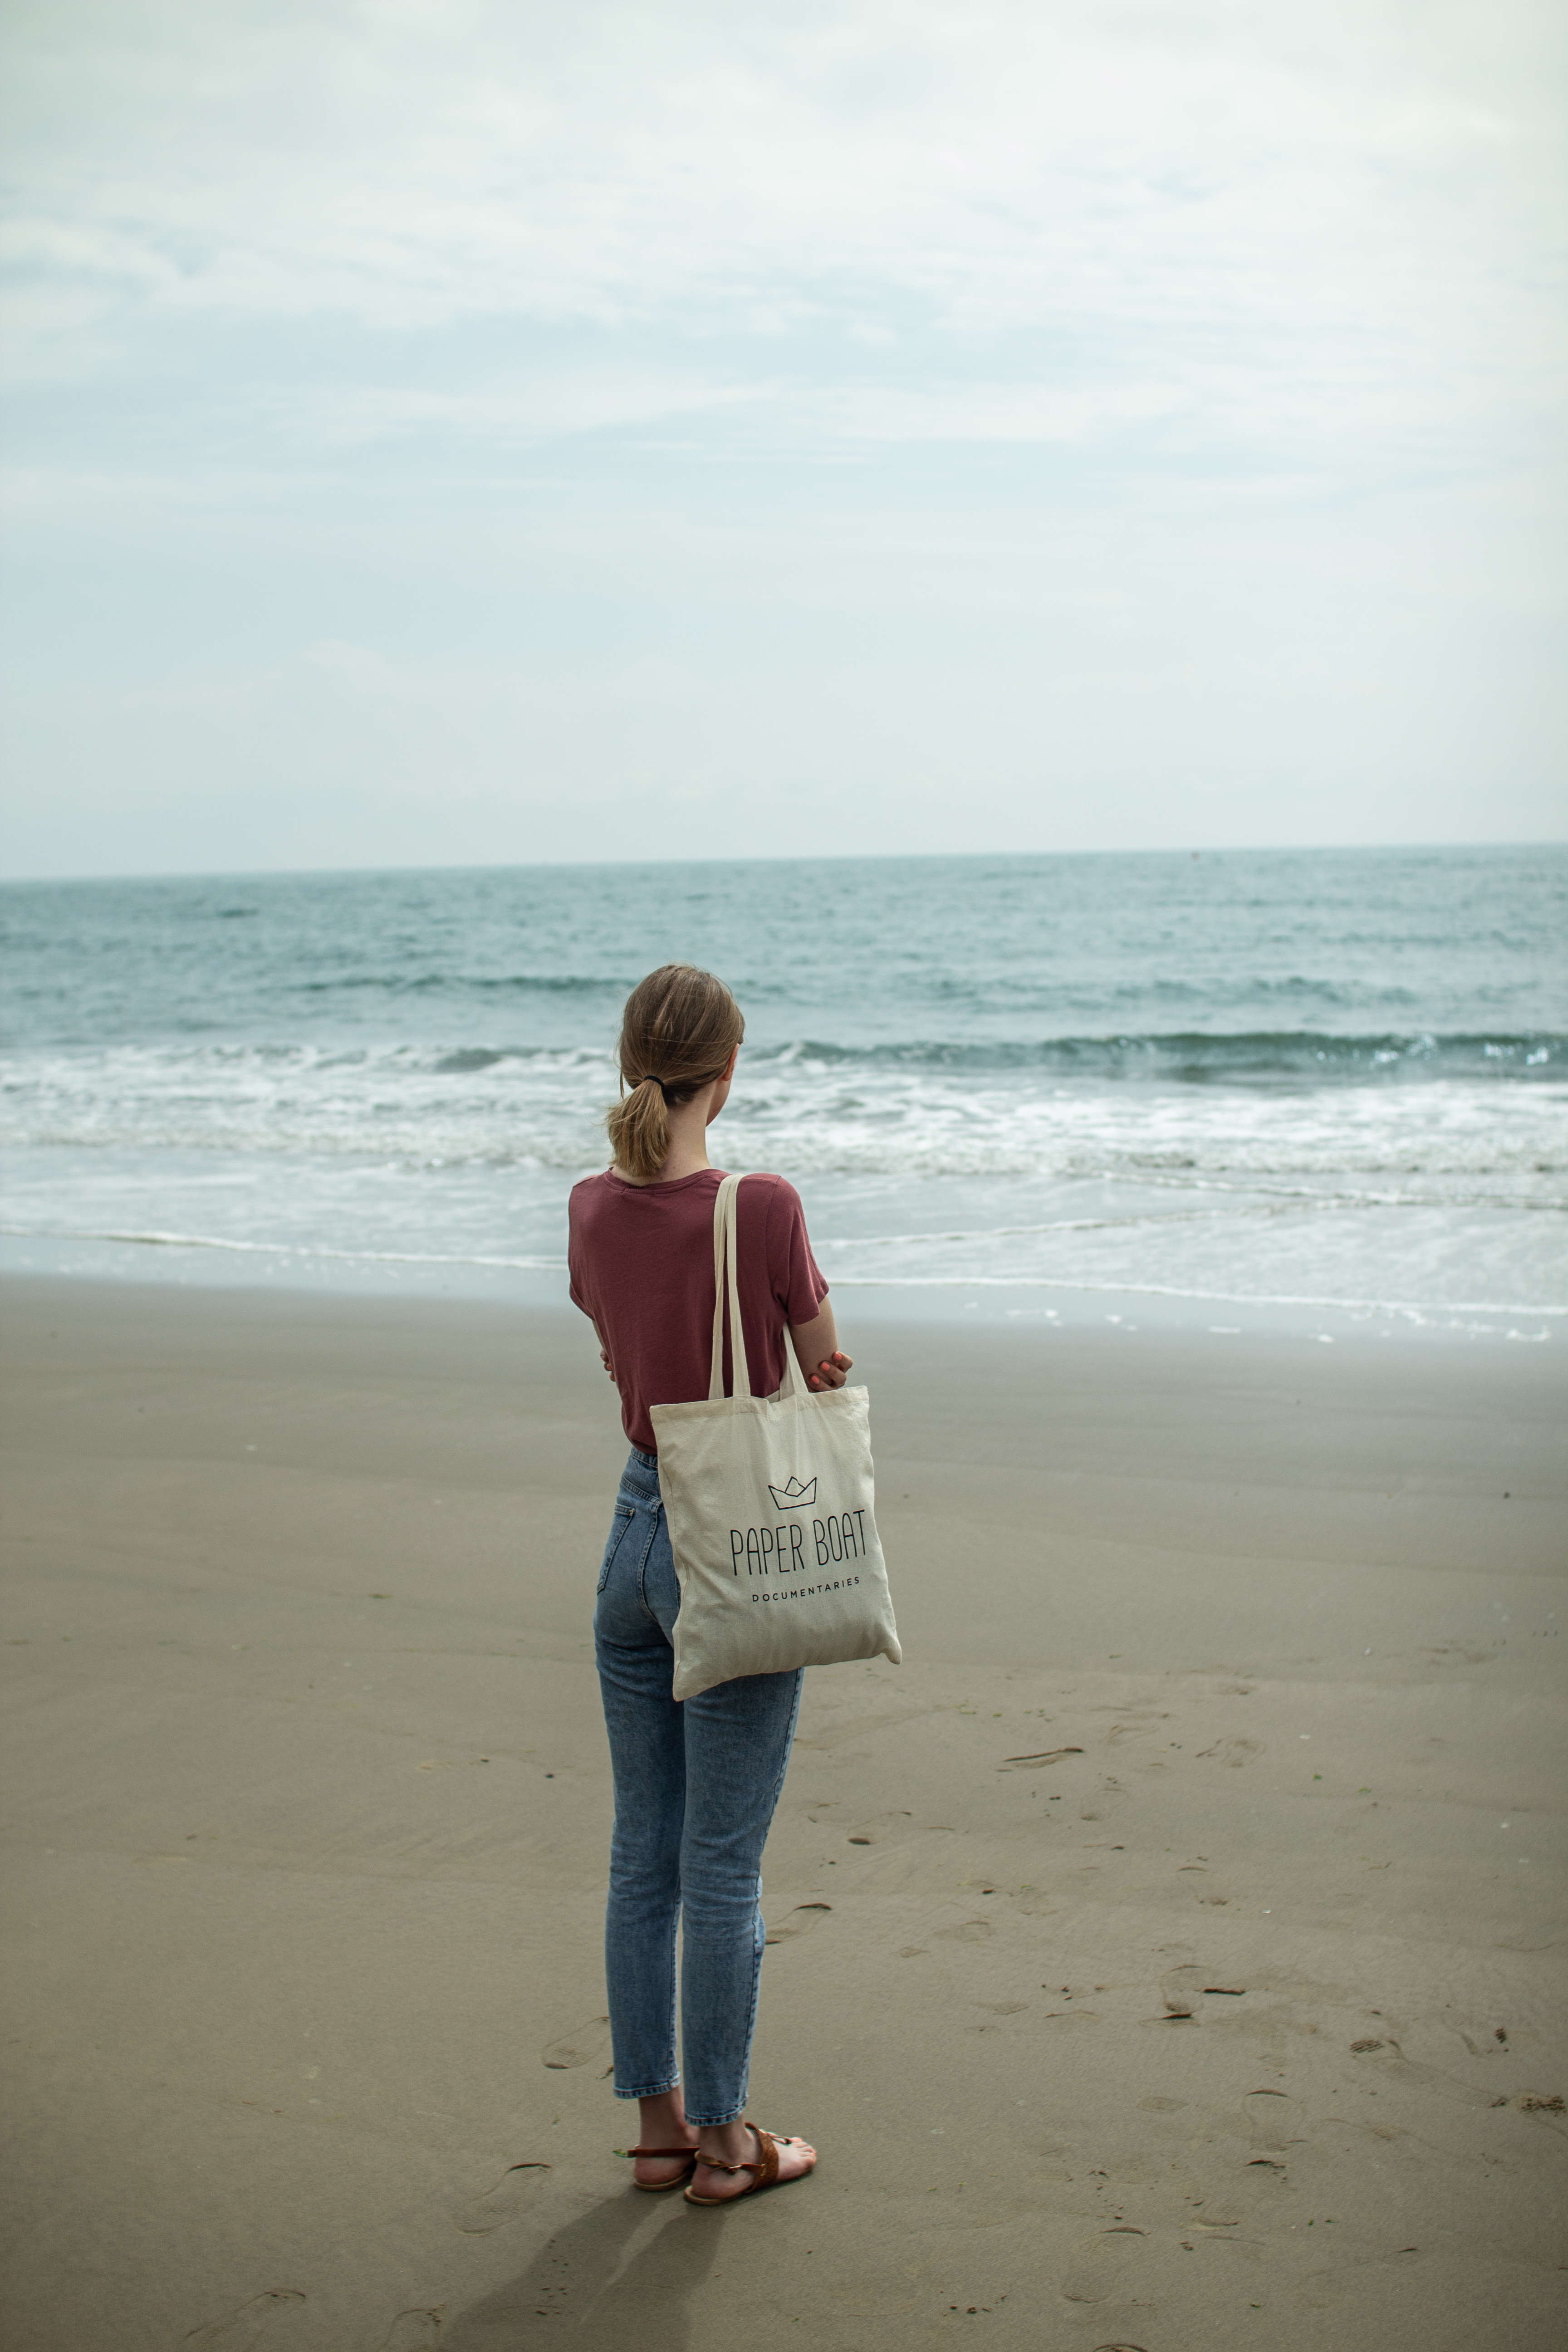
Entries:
{"x":687,"y":1153}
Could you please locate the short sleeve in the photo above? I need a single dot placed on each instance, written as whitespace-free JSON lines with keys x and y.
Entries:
{"x":576,"y":1271}
{"x":797,"y":1280}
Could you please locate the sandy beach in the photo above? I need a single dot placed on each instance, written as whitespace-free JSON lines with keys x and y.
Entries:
{"x":1169,"y":1955}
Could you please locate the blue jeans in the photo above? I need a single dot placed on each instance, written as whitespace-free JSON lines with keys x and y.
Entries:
{"x":696,"y":1784}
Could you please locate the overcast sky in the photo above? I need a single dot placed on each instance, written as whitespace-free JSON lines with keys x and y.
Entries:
{"x":447,"y":432}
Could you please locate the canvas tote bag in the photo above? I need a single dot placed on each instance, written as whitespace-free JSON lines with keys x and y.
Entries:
{"x":770,"y":1505}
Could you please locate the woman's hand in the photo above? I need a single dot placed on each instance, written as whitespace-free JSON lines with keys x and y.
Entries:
{"x":816,"y":1349}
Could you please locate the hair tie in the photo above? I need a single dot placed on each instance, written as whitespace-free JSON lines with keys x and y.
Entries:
{"x":649,"y":1080}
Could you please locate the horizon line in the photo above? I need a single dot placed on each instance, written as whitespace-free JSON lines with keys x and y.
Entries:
{"x":846,"y":858}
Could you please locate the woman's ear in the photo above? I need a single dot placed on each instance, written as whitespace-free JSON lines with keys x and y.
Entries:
{"x":729,"y":1070}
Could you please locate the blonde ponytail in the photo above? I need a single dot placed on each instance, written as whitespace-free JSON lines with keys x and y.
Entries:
{"x":678,"y":1032}
{"x":639,"y":1131}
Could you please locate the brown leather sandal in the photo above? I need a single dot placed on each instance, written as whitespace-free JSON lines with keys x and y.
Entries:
{"x":653,"y":2187}
{"x":765,"y":2166}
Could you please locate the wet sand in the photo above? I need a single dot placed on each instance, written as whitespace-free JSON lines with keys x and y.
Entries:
{"x":1170,"y":1954}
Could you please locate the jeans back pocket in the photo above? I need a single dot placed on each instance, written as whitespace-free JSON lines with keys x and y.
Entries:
{"x":618,"y":1526}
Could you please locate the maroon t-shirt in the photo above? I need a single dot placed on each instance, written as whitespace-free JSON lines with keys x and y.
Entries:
{"x":641,"y":1257}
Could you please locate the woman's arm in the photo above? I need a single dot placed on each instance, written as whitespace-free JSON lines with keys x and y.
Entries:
{"x":816,"y":1349}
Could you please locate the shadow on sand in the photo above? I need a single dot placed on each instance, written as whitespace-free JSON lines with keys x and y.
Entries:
{"x":623,"y":2273}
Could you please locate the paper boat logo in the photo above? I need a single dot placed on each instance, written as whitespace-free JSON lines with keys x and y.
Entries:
{"x":795,"y":1497}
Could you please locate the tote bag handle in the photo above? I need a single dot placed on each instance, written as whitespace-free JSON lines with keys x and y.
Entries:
{"x":726,"y":1245}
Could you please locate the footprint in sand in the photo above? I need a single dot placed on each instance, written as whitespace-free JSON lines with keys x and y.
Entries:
{"x":1316,"y":2291}
{"x":881,"y":1828}
{"x":412,"y":2331}
{"x":968,"y":1931}
{"x":996,"y":2010}
{"x":799,"y":1922}
{"x":1269,"y":2115}
{"x":577,"y":2048}
{"x":1182,"y":1991}
{"x":1235,"y":1752}
{"x":239,"y":2330}
{"x":1099,"y":2264}
{"x":511,"y":2195}
{"x":1384,"y":2056}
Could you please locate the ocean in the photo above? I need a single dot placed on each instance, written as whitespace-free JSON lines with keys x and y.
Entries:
{"x":1312,"y":1089}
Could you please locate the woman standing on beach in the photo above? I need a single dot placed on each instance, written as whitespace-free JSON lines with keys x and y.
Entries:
{"x":696,"y":1781}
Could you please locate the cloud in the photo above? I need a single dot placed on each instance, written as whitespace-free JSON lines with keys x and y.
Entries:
{"x":974,"y":170}
{"x":956,"y":399}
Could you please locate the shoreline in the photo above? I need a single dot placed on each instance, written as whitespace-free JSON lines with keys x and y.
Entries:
{"x":1233,"y":1661}
{"x":522,"y":1286}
